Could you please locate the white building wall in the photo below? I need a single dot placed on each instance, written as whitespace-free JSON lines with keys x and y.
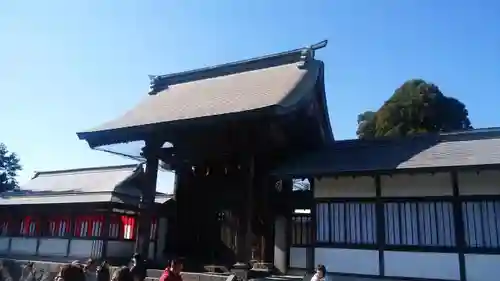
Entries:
{"x":482,"y":267}
{"x":418,"y":264}
{"x":344,"y":187}
{"x":348,"y":260}
{"x":422,"y":265}
{"x":298,"y":257}
{"x":53,"y":247}
{"x":479,"y":183}
{"x":417,"y":185}
{"x":23,"y":246}
{"x":4,"y":244}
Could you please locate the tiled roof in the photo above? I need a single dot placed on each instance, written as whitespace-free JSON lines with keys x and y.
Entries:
{"x":272,"y":82}
{"x":96,"y":179}
{"x":473,"y":148}
{"x":99,"y":184}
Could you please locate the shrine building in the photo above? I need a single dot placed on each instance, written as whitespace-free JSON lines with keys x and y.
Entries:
{"x":238,"y":136}
{"x":77,"y":214}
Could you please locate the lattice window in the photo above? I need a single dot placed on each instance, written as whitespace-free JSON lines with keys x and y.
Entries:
{"x":128,"y":228}
{"x":29,"y":227}
{"x":346,"y":223}
{"x":59,"y":227}
{"x":301,"y":230}
{"x":88,"y":226}
{"x":482,"y":223}
{"x":419,"y":224}
{"x":114,"y":227}
{"x":4,"y":227}
{"x":128,"y":224}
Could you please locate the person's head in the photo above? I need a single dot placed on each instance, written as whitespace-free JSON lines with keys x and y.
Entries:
{"x":70,"y":272}
{"x":176,"y":266}
{"x":122,"y":274}
{"x":90,"y":265}
{"x":321,"y":270}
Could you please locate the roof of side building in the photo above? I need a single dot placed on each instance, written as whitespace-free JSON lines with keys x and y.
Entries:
{"x":85,"y":185}
{"x":480,"y":147}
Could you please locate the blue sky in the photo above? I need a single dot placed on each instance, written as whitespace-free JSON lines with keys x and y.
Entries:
{"x":66,"y":66}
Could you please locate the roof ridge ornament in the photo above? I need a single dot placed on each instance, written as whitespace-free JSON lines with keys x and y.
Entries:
{"x":153,"y":82}
{"x":307,"y":54}
{"x":158,"y":83}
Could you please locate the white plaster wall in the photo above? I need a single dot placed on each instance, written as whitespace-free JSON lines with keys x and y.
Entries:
{"x":416,"y":185}
{"x":482,"y":267}
{"x":479,"y":183}
{"x":85,"y":248}
{"x":348,"y":260}
{"x":344,"y":187}
{"x":121,"y":248}
{"x":422,"y":265}
{"x":298,"y":257}
{"x":23,"y":246}
{"x":53,"y":247}
{"x":4,"y":244}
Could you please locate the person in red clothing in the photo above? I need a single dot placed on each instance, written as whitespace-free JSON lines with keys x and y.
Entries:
{"x":173,"y":273}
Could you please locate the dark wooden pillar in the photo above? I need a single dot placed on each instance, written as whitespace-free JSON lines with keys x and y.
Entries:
{"x":43,"y":225}
{"x":459,"y":226}
{"x":150,"y":152}
{"x":246,"y":214}
{"x":380,"y":225}
{"x":71,"y":232}
{"x":105,"y":232}
{"x":282,"y":237}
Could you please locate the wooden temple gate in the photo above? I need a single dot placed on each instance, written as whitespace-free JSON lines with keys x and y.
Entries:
{"x":222,"y":130}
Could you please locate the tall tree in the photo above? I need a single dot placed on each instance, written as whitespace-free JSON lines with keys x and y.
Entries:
{"x":415,"y":107}
{"x":9,"y":167}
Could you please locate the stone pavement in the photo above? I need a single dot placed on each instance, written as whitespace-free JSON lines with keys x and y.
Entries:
{"x":330,"y":278}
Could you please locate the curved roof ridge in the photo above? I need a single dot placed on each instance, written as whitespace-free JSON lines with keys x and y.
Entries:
{"x":160,"y":82}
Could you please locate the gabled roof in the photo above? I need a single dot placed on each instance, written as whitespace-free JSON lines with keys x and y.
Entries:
{"x":472,"y":148}
{"x":97,"y":184}
{"x":273,"y":84}
{"x":94,"y":179}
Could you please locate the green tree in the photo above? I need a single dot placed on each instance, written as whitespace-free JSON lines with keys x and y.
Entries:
{"x":415,"y":107}
{"x":9,"y":167}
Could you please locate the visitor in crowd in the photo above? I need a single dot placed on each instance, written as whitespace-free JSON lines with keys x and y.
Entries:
{"x":70,"y":272}
{"x":4,"y":273}
{"x":320,"y":274}
{"x":173,"y":272}
{"x":139,"y":265}
{"x":103,"y":272}
{"x":28,"y":272}
{"x":90,"y":270}
{"x":122,"y":274}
